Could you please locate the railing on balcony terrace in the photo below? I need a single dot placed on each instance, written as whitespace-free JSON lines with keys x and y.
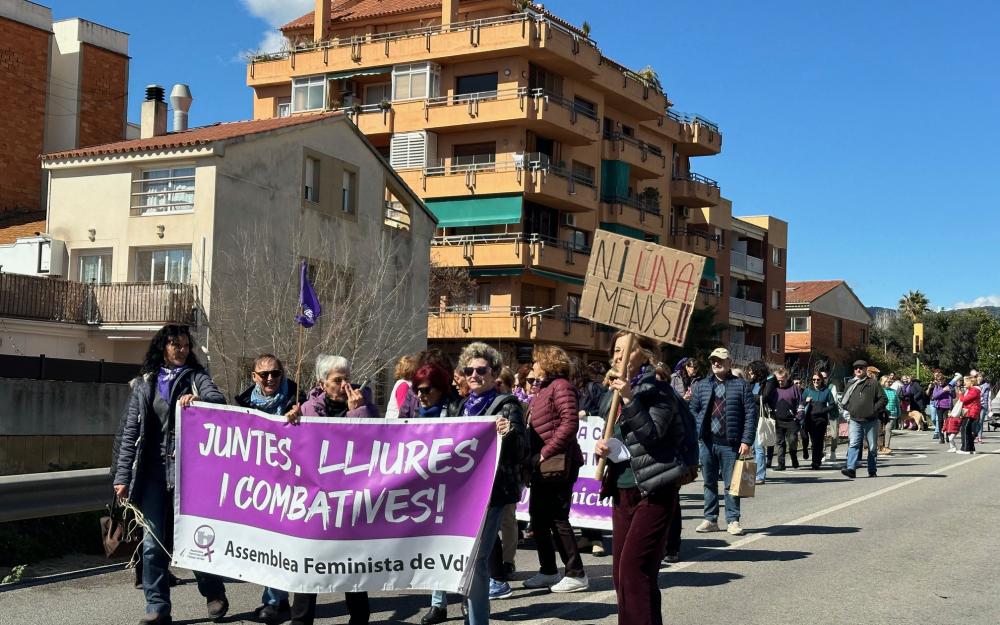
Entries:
{"x":646,"y":205}
{"x":752,"y":264}
{"x":693,"y":177}
{"x":518,"y":314}
{"x":743,"y":354}
{"x":745,"y":307}
{"x":692,"y":232}
{"x":472,"y":100}
{"x":570,"y":105}
{"x":508,"y":237}
{"x":655,"y":150}
{"x":696,"y":120}
{"x":47,"y":299}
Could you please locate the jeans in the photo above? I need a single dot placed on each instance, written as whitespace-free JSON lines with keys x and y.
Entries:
{"x":863,"y":430}
{"x":273,"y":596}
{"x":760,"y":456}
{"x":834,"y":434}
{"x":640,"y":526}
{"x":549,"y":512}
{"x":716,"y":459}
{"x":939,"y":415}
{"x":479,"y":590}
{"x":157,"y":506}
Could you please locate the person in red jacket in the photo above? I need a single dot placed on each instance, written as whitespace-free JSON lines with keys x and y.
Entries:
{"x":971,"y":407}
{"x":553,"y":422}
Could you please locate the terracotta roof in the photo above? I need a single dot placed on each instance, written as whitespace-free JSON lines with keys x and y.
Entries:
{"x":805,"y":292}
{"x":348,"y":10}
{"x":194,"y":136}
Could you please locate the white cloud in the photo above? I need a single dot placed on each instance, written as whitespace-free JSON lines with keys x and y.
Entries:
{"x":986,"y":300}
{"x":275,"y":13}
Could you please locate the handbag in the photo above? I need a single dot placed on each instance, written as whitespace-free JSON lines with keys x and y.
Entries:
{"x":554,"y":469}
{"x":120,"y":533}
{"x":767,"y":433}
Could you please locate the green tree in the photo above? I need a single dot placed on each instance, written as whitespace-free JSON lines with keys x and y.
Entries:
{"x":913,"y":305}
{"x":960,"y":347}
{"x":700,"y":340}
{"x":988,"y":342}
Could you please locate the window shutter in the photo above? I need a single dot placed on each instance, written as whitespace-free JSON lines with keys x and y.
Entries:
{"x":408,"y":150}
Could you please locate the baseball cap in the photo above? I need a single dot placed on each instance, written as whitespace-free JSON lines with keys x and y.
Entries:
{"x":719,"y":352}
{"x":860,"y":364}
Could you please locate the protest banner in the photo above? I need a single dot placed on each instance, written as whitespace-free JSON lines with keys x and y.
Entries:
{"x":331,"y":505}
{"x":641,"y":287}
{"x":587,"y":508}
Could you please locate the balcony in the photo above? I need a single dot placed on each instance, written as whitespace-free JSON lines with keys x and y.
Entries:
{"x":557,"y":187}
{"x":645,"y":159}
{"x":746,"y":310}
{"x":746,"y":265}
{"x":694,"y":190}
{"x":522,"y":323}
{"x":372,"y":119}
{"x":626,"y":91}
{"x":510,"y":250}
{"x":696,"y":241}
{"x":699,"y":137}
{"x":642,"y":214}
{"x":47,"y":299}
{"x":742,"y":354}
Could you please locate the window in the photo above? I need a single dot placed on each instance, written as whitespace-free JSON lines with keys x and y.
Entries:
{"x":476,"y":83}
{"x":573,"y":306}
{"x":349,"y":192}
{"x":583,"y":173}
{"x":775,"y":299}
{"x":165,"y":265}
{"x":284,"y":107}
{"x":628,"y":131}
{"x":776,"y":343}
{"x":309,"y":93}
{"x":418,"y":80}
{"x":796,"y":324}
{"x":585,"y":107}
{"x":864,"y":337}
{"x":374,"y":94}
{"x":578,"y":239}
{"x":838,"y":333}
{"x":164,"y":191}
{"x":95,"y":268}
{"x":479,"y":298}
{"x":411,"y":150}
{"x":475,"y":156}
{"x":311,"y":191}
{"x":776,"y":256}
{"x":541,"y":78}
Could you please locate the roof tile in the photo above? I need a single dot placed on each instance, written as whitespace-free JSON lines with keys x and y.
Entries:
{"x":805,"y":292}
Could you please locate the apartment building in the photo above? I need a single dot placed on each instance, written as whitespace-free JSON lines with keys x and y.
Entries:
{"x":65,"y":85}
{"x":824,"y":318}
{"x":523,"y":138}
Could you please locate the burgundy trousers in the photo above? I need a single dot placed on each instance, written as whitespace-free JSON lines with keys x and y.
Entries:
{"x":639,"y":527}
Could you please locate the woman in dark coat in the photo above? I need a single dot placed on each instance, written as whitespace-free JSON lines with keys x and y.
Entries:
{"x":170,"y":376}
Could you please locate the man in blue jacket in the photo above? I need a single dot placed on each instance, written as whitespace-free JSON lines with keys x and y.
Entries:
{"x":724,"y":406}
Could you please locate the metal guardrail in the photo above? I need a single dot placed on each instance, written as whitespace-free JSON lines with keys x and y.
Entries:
{"x":693,"y":177}
{"x":697,"y":120}
{"x":37,"y":495}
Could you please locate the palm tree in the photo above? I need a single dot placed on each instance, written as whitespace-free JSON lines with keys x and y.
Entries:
{"x":914,"y":304}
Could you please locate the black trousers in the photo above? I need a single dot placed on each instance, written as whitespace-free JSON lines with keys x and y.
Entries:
{"x":304,"y":608}
{"x":674,"y":532}
{"x":549,"y":511}
{"x":787,"y":437}
{"x":967,"y":429}
{"x":816,"y":431}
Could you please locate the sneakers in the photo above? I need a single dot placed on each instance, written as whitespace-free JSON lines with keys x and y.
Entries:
{"x":571,"y":584}
{"x":735,"y":528}
{"x":434,"y":615}
{"x":217,"y":607}
{"x":598,"y":550}
{"x":707,"y":526}
{"x":671,"y":558}
{"x":541,"y":580}
{"x":499,"y":590}
{"x":951,"y":450}
{"x":759,"y":482}
{"x":848,"y":473}
{"x":155,"y":618}
{"x":273,"y":614}
{"x":936,"y":436}
{"x":963,"y":452}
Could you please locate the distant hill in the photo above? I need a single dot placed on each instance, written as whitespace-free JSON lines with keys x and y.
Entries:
{"x":892,"y":313}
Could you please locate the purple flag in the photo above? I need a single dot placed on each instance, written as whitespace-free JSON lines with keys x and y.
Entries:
{"x":308,"y":300}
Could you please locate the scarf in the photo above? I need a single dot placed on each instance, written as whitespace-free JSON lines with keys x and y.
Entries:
{"x":431,"y":413}
{"x":642,"y":371}
{"x":165,"y":378}
{"x":334,"y":408}
{"x":521,"y":395}
{"x":476,"y":405}
{"x":273,"y":404}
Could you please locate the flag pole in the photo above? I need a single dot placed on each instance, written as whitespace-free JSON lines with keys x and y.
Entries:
{"x":298,"y":360}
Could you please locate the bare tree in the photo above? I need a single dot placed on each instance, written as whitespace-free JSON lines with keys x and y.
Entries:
{"x":451,"y":285}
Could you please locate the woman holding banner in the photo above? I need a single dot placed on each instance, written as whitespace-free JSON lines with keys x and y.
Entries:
{"x":653,"y":452}
{"x":335,"y":396}
{"x":170,"y":376}
{"x":556,"y":458}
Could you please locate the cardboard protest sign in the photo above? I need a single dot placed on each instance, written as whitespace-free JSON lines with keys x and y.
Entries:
{"x":641,"y":287}
{"x":332,"y":505}
{"x":587,"y":509}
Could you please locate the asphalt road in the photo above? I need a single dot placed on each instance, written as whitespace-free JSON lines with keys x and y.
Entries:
{"x":917,"y":544}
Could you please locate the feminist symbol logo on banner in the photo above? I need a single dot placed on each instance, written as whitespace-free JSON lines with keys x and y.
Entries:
{"x":204,"y":538}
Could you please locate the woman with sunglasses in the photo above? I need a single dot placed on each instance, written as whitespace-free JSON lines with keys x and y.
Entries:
{"x":273,"y":393}
{"x":820,"y":406}
{"x":684,"y":376}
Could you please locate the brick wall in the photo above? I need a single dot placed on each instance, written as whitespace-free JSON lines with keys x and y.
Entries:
{"x":24,"y":71}
{"x":822,"y":336}
{"x":103,"y":95}
{"x":774,"y":320}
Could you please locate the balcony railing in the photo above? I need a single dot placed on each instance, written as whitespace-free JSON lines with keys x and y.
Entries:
{"x":646,"y":205}
{"x":743,"y":354}
{"x":697,"y":120}
{"x":570,"y":105}
{"x":693,"y":177}
{"x":638,"y":143}
{"x":47,"y":299}
{"x":511,"y":237}
{"x":751,"y":264}
{"x":518,"y":315}
{"x":745,"y":307}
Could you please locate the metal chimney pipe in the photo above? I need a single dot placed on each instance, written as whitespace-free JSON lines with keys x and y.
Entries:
{"x":180,"y":100}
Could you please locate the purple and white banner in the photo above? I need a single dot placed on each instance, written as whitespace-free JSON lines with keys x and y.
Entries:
{"x":588,"y":509}
{"x":331,"y":505}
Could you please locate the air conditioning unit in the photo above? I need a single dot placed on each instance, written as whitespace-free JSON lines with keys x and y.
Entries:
{"x":569,"y":219}
{"x":684,"y":212}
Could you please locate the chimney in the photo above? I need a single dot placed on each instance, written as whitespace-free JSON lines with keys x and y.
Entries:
{"x":153,"y":118}
{"x":180,"y":100}
{"x":321,"y":21}
{"x":449,"y":12}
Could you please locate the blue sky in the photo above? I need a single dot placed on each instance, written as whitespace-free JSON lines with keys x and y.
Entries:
{"x":869,"y":126}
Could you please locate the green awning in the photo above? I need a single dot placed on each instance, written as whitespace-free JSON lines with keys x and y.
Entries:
{"x":623,"y":230}
{"x":495,"y":273}
{"x":709,"y":272}
{"x":477,"y":211}
{"x":551,"y":275}
{"x":374,"y":71}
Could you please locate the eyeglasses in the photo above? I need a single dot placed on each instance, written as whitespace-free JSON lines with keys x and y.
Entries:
{"x":859,"y":368}
{"x":480,"y":371}
{"x":533,"y":381}
{"x":276,"y":373}
{"x":423,"y":390}
{"x":817,"y":379}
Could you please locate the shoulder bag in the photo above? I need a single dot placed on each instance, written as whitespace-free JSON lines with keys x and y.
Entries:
{"x":767,"y":433}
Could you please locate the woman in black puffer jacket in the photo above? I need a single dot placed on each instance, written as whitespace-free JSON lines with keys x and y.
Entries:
{"x":659,"y":434}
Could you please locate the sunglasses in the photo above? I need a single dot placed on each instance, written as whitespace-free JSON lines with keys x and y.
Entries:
{"x":480,"y":371}
{"x":424,"y":390}
{"x":817,"y":379}
{"x":276,"y":373}
{"x":533,"y":381}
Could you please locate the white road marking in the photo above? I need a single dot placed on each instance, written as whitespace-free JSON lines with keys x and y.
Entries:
{"x":609,"y":595}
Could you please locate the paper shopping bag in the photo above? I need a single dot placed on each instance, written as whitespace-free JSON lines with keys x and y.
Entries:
{"x":744,"y":478}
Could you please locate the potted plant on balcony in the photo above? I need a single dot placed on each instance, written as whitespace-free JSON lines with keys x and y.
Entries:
{"x":585,"y":29}
{"x":356,"y":109}
{"x":650,"y":78}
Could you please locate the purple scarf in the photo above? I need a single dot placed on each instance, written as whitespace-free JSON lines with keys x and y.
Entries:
{"x":475,"y":405}
{"x":165,"y":378}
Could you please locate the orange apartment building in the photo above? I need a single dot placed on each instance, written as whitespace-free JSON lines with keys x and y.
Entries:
{"x":824,"y":317}
{"x":523,"y":138}
{"x":65,"y":86}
